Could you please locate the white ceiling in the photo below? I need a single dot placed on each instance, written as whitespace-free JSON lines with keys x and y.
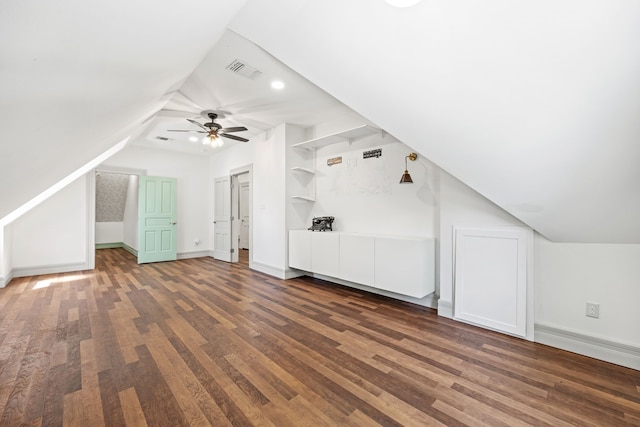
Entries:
{"x":239,"y":100}
{"x":533,"y":104}
{"x":77,"y":76}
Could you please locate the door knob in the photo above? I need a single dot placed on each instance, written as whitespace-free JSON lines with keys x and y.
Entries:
{"x":173,"y":223}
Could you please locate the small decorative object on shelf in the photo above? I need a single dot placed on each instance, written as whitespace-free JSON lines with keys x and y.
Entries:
{"x":322,"y":223}
{"x":372,"y":153}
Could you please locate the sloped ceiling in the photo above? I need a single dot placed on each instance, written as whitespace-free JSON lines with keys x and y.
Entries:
{"x":79,"y":76}
{"x":536,"y":105}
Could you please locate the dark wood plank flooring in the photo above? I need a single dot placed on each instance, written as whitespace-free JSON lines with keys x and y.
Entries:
{"x":202,"y":342}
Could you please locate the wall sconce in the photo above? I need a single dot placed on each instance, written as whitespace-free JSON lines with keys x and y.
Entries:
{"x":406,"y":178}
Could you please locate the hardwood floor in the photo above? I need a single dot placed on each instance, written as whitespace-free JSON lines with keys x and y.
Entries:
{"x":202,"y":342}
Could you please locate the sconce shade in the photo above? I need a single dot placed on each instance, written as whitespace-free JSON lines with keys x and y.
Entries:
{"x":406,"y":178}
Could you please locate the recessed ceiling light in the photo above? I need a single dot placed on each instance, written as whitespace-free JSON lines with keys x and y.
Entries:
{"x":193,"y":138}
{"x":277,"y":84}
{"x":402,"y":3}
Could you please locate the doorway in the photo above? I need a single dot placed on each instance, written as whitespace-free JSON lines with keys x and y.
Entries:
{"x":116,"y":210}
{"x":105,"y":232}
{"x":241,"y":206}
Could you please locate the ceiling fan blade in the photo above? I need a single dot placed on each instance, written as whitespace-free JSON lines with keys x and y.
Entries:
{"x":237,"y":138}
{"x":233,"y":129}
{"x":198,"y":124}
{"x":182,"y":130}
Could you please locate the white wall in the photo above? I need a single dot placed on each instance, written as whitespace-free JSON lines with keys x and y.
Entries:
{"x":365,"y":195}
{"x":192,"y":173}
{"x":109,"y":232}
{"x":569,"y":275}
{"x":54,"y":233}
{"x":268,"y":226}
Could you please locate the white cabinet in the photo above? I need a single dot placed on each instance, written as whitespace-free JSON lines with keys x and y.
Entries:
{"x":404,"y":265}
{"x":357,"y":261}
{"x":325,"y":253}
{"x":300,"y":249}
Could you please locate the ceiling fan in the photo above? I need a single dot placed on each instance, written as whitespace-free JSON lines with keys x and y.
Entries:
{"x":214,"y":131}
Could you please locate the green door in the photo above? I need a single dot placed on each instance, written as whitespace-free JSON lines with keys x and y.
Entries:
{"x":157,"y":207}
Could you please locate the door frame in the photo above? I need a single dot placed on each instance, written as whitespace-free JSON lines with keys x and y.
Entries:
{"x":236,"y":190}
{"x":240,"y":207}
{"x":91,"y":205}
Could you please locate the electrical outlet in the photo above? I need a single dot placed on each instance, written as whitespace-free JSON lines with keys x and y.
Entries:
{"x":593,"y":310}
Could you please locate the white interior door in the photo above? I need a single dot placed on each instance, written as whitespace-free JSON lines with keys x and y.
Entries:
{"x":222,"y":220}
{"x":244,"y":215}
{"x":491,"y":278}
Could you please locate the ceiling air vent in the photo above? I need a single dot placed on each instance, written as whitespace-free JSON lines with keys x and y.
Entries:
{"x":244,"y":70}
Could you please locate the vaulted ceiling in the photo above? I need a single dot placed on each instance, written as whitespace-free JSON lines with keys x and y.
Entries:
{"x":535,"y":105}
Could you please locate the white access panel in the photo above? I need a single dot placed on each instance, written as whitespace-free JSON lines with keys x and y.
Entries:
{"x":357,"y":263}
{"x":300,"y":249}
{"x":325,"y":253}
{"x":405,"y":265}
{"x":491,"y":279}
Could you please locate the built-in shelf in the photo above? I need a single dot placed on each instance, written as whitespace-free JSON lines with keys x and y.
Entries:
{"x":334,"y":138}
{"x":305,"y":198}
{"x":305,"y":170}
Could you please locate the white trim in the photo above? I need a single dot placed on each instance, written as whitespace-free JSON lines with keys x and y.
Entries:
{"x":4,"y":281}
{"x":239,"y":171}
{"x":588,"y":345}
{"x":445,"y":309}
{"x":49,"y":269}
{"x":270,"y":270}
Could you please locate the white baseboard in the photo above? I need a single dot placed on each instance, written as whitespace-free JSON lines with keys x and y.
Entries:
{"x":194,"y":254}
{"x":271,"y":270}
{"x":49,"y":269}
{"x":599,"y":348}
{"x":445,"y":309}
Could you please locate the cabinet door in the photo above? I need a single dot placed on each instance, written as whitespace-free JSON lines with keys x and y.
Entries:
{"x":300,"y":249}
{"x":325,"y":253}
{"x":405,"y":266}
{"x":357,"y":259}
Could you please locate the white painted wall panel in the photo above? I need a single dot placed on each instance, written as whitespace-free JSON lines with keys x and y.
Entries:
{"x":491,"y":279}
